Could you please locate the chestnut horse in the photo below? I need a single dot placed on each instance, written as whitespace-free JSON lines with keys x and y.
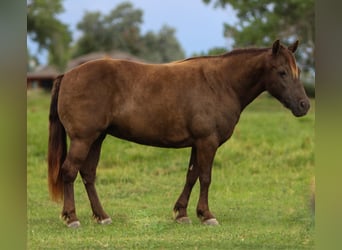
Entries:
{"x":190,"y":103}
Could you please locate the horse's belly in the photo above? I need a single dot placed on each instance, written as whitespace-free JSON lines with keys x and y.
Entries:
{"x":169,"y":136}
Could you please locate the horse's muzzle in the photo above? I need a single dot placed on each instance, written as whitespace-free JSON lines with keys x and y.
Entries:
{"x":301,"y":108}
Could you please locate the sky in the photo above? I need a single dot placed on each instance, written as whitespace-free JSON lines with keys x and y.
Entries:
{"x":199,"y":26}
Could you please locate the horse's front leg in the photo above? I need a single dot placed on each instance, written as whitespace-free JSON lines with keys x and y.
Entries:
{"x":206,"y":150}
{"x":180,"y":208}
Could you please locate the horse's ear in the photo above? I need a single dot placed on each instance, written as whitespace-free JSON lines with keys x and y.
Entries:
{"x":276,"y":47}
{"x":294,"y":46}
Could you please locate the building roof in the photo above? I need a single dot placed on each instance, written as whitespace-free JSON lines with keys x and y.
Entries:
{"x":43,"y":72}
{"x":98,"y":55}
{"x":51,"y":72}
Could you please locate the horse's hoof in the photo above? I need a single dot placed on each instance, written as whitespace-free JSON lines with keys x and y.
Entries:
{"x":210,"y":222}
{"x":74,"y":224}
{"x":105,"y":221}
{"x":183,"y":220}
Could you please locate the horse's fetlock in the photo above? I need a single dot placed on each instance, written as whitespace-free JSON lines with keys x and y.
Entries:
{"x":199,"y":214}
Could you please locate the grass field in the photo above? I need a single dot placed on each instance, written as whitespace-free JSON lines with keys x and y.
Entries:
{"x":260,"y":190}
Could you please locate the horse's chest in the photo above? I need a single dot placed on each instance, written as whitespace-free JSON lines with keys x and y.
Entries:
{"x":225,"y":128}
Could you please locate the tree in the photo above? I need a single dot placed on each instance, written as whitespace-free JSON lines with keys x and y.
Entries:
{"x":162,"y":47}
{"x":47,"y":31}
{"x":93,"y":36}
{"x":215,"y":51}
{"x":261,"y":22}
{"x":125,"y":27}
{"x":120,"y":30}
{"x":169,"y":47}
{"x":32,"y":61}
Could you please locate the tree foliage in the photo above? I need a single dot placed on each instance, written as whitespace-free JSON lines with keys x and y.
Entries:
{"x":120,"y":30}
{"x":161,"y":47}
{"x":261,"y":22}
{"x":44,"y":28}
{"x":211,"y":52}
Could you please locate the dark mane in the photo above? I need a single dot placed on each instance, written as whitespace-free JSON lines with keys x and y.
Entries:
{"x":229,"y":53}
{"x":195,"y":58}
{"x":244,"y":51}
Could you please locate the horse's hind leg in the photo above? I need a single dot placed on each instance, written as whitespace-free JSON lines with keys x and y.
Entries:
{"x":180,"y":208}
{"x":88,"y":173}
{"x":75,"y":159}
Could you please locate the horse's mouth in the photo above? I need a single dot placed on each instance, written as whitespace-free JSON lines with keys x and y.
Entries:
{"x":299,"y":113}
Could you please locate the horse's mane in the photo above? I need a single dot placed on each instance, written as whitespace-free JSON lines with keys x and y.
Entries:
{"x":229,"y":53}
{"x":244,"y":51}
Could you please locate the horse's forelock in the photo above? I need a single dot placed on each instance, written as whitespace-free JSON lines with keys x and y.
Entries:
{"x":292,"y":63}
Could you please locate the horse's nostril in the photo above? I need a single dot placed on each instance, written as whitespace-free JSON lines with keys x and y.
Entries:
{"x":304,"y":104}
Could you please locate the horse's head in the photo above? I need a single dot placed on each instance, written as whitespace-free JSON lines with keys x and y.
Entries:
{"x":283,"y":79}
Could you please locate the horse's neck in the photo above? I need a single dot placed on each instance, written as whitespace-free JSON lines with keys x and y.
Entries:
{"x":244,"y":75}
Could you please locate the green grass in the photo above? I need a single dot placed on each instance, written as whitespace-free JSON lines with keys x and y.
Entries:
{"x":260,"y":188}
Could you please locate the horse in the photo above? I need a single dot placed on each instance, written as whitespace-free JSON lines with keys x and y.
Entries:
{"x":195,"y":102}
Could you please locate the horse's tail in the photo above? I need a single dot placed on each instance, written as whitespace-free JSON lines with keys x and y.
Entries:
{"x":57,"y":147}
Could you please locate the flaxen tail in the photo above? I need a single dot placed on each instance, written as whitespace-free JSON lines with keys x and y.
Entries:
{"x":57,"y":147}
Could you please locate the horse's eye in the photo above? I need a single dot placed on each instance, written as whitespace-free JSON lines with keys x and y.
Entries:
{"x":282,"y":73}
